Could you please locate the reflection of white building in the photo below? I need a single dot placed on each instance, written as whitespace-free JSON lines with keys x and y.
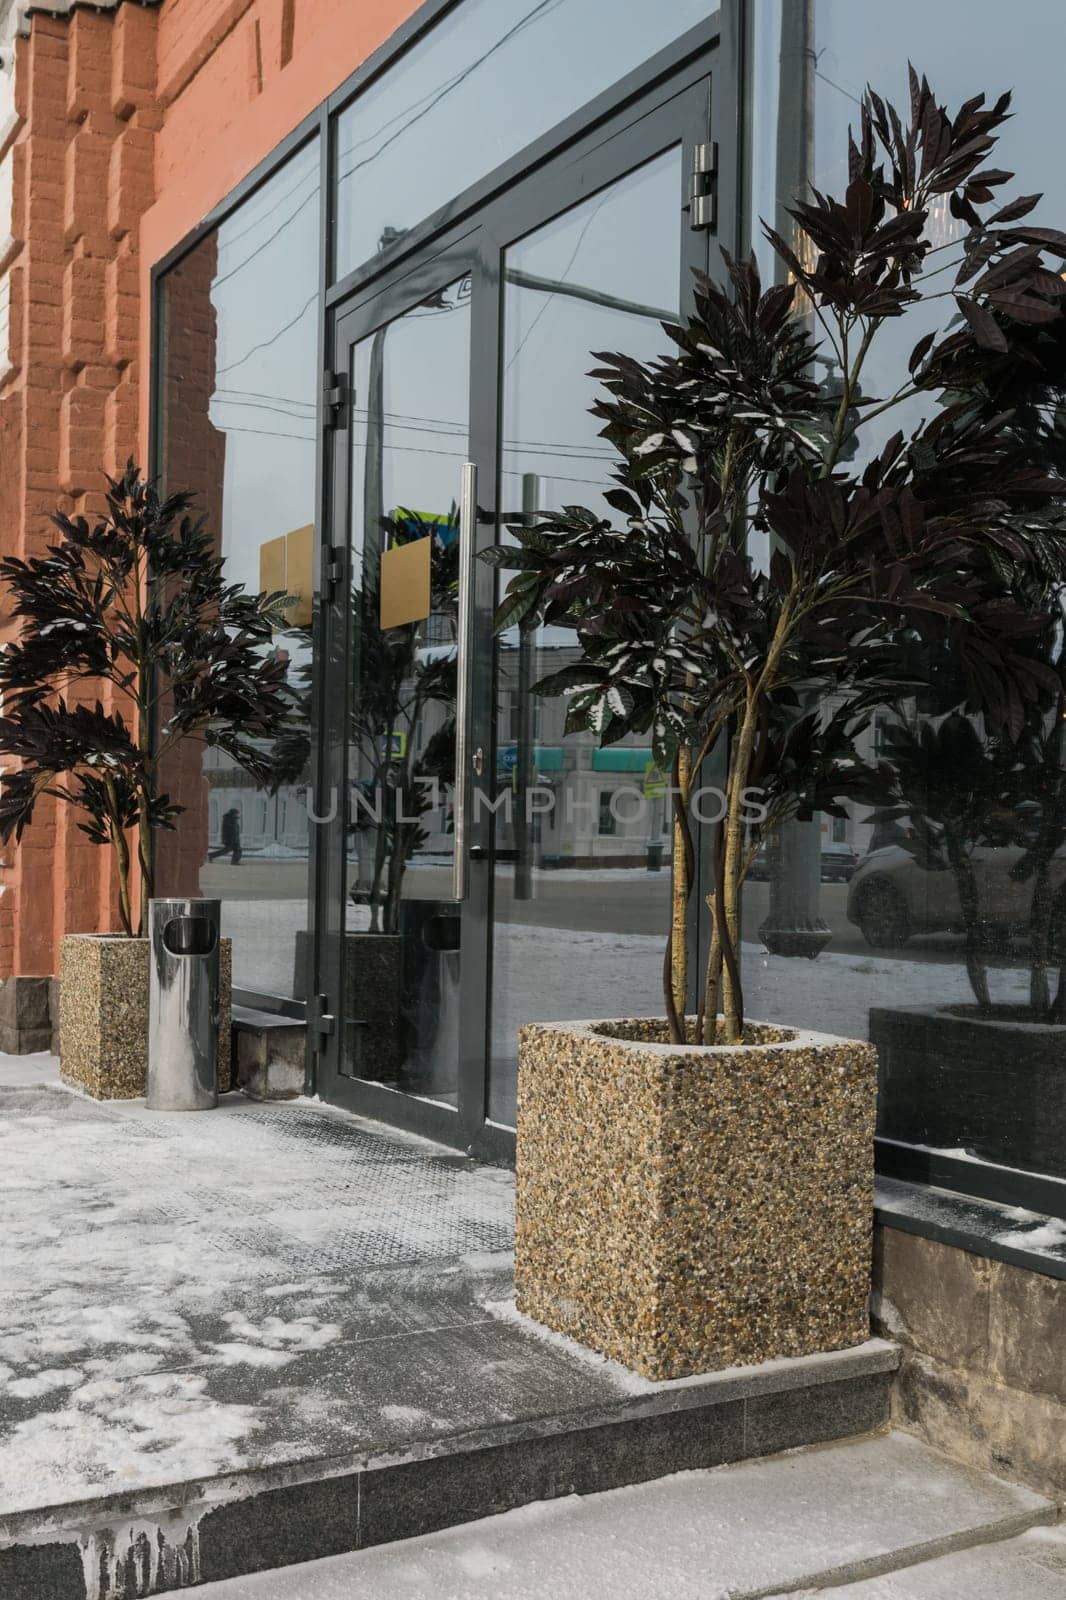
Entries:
{"x":270,"y":824}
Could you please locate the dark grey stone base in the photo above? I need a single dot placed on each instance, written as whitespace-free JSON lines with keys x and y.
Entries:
{"x":25,"y":1015}
{"x":256,"y":1521}
{"x":993,"y":1086}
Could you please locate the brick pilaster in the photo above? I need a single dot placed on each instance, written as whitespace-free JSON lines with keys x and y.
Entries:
{"x":69,"y":404}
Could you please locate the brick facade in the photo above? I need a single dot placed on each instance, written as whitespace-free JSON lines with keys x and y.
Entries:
{"x":81,"y":154}
{"x":126,"y":121}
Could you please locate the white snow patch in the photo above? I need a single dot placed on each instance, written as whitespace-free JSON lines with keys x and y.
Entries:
{"x":274,"y":1333}
{"x":252,"y":1355}
{"x":478,"y":1561}
{"x":1051,"y":1236}
{"x":156,"y":1429}
{"x":408,"y":1416}
{"x":45,"y":1382}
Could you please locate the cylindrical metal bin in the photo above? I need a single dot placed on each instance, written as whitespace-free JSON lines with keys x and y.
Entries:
{"x":183,"y":1005}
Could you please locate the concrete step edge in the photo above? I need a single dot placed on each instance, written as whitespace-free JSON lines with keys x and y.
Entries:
{"x":916,"y":1555}
{"x":645,"y":1403}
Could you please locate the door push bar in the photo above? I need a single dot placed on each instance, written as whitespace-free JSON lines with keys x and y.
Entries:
{"x":464,"y":676}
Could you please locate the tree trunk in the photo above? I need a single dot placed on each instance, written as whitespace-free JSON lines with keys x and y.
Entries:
{"x":680,"y":889}
{"x":976,"y":965}
{"x":145,"y":855}
{"x":729,"y":919}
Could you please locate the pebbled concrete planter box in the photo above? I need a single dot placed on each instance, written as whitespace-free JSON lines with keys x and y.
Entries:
{"x":995,"y":1086}
{"x":687,"y":1208}
{"x":103,"y":1014}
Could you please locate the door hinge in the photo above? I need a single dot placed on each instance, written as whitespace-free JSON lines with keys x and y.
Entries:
{"x":336,"y":399}
{"x":332,"y":570}
{"x":703,"y":190}
{"x":321,"y":1021}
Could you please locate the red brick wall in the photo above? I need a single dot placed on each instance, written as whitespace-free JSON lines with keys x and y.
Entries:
{"x":133,"y":123}
{"x":69,"y":405}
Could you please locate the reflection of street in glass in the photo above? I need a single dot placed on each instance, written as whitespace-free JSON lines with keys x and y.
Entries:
{"x":265,"y":905}
{"x":231,"y":838}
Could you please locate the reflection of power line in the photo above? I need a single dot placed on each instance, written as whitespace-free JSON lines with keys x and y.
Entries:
{"x":275,"y":433}
{"x":220,"y":399}
{"x":265,"y":394}
{"x":454,"y":455}
{"x":448,"y":87}
{"x":526,"y":450}
{"x":435,"y":427}
{"x":224,"y":277}
{"x":589,"y":220}
{"x":856,"y":99}
{"x":423,"y":108}
{"x":227,"y":240}
{"x":264,"y":344}
{"x":596,"y":297}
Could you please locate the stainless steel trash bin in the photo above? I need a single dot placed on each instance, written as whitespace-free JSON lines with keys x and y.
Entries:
{"x":183,"y":1005}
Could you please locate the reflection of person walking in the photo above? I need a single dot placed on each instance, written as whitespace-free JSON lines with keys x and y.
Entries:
{"x":231,"y":838}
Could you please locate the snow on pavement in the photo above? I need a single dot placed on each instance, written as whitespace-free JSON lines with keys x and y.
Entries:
{"x":179,"y":1291}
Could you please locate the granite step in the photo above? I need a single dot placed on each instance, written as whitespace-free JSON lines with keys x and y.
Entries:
{"x":878,"y":1519}
{"x":543,"y":1444}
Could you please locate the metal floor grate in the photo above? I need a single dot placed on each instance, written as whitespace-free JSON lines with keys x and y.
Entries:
{"x":275,"y":1189}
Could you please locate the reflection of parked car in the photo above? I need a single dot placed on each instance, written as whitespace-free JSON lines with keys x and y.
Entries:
{"x":891,"y":896}
{"x":838,"y":863}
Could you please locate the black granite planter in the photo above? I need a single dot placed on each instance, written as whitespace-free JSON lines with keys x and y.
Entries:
{"x":992,"y":1086}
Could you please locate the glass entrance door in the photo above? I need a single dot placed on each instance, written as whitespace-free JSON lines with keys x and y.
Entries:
{"x":401,"y":632}
{"x":482,"y":868}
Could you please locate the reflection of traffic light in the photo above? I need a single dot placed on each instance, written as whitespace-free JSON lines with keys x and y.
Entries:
{"x":832,"y":387}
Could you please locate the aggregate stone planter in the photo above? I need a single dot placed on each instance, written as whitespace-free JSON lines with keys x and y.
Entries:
{"x":994,"y":1086}
{"x":686,"y":1208}
{"x":103,"y":1014}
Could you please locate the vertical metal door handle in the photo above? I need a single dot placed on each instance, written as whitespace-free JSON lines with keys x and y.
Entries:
{"x":464,"y":636}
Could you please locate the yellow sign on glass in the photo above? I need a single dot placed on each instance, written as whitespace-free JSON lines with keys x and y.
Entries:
{"x":405,"y":585}
{"x":286,"y":564}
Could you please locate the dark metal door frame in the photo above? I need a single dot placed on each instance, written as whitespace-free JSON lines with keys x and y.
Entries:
{"x":355,"y":321}
{"x":679,"y":111}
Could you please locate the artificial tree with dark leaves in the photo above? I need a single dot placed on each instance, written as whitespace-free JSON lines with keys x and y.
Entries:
{"x":135,"y":599}
{"x":397,"y":677}
{"x":962,"y":791}
{"x":961,"y":787}
{"x":935,"y":547}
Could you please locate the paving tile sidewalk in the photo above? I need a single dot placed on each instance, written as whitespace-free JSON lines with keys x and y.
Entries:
{"x":190,"y":1295}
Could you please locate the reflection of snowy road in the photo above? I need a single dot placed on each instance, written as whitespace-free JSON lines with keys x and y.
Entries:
{"x":560,"y":974}
{"x":541,"y":973}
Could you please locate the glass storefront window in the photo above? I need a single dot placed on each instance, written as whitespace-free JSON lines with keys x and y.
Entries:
{"x":238,"y":390}
{"x":948,"y":923}
{"x":581,"y":892}
{"x":489,"y":79}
